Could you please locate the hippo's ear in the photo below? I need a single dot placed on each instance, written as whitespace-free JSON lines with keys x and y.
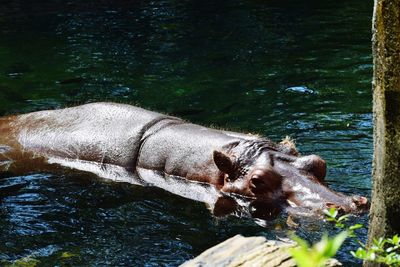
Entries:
{"x":288,"y":146}
{"x":223,"y":162}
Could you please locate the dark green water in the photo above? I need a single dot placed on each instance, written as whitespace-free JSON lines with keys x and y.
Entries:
{"x":223,"y":63}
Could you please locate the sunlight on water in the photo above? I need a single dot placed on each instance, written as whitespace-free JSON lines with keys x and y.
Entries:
{"x":298,"y":68}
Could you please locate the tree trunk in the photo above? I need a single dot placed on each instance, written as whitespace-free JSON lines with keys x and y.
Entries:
{"x":385,"y":208}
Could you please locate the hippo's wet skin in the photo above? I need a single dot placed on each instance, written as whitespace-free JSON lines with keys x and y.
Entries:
{"x":115,"y":140}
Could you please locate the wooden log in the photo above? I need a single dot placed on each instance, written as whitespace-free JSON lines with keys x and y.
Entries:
{"x":248,"y":251}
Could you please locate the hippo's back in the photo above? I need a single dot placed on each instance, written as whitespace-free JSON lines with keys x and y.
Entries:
{"x":101,"y":132}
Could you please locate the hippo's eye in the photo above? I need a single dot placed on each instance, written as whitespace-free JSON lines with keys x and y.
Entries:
{"x":229,"y":178}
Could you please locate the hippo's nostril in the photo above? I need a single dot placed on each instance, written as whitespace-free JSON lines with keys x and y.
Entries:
{"x":257,"y":183}
{"x":258,"y":186}
{"x":360,"y":202}
{"x":363,"y":200}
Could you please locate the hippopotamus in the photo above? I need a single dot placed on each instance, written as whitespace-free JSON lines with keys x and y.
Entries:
{"x":118,"y":140}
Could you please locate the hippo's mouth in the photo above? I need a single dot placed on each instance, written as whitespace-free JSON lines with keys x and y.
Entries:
{"x":352,"y":205}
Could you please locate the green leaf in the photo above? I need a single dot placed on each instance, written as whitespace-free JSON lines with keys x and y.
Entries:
{"x":337,"y":242}
{"x":389,"y":249}
{"x":331,"y":212}
{"x":360,"y":253}
{"x":301,"y":242}
{"x":328,"y":247}
{"x":323,"y":246}
{"x":344,"y":217}
{"x":339,"y":225}
{"x":395,"y":240}
{"x":25,"y":262}
{"x":355,"y":227}
{"x":378,"y":242}
{"x":66,"y":255}
{"x":302,"y":257}
{"x":371,"y":256}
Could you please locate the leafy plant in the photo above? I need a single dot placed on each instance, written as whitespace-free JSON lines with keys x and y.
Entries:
{"x":317,"y":255}
{"x":64,"y":259}
{"x":382,"y":250}
{"x":23,"y":262}
{"x":331,"y":216}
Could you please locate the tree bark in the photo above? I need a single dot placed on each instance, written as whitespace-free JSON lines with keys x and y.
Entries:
{"x":385,"y":207}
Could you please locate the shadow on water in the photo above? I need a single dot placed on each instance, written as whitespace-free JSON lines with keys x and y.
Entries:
{"x":277,"y":68}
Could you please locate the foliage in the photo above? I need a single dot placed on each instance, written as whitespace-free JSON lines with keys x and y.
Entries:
{"x":330,"y":216}
{"x":64,"y":258}
{"x":319,"y":253}
{"x":383,"y":250}
{"x":23,"y":262}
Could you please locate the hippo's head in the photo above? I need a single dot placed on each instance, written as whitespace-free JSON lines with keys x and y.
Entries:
{"x":262,"y":170}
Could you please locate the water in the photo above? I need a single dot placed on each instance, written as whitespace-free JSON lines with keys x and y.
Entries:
{"x":277,"y":68}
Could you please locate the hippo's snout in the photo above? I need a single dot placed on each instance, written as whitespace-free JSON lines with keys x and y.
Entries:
{"x":291,"y":180}
{"x":361,"y":203}
{"x":354,"y":204}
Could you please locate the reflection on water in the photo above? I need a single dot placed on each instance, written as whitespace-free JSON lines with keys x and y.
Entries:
{"x":298,"y":68}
